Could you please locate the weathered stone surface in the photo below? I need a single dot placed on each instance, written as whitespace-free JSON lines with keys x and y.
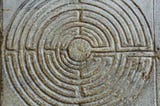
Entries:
{"x":80,"y":53}
{"x":157,"y":43}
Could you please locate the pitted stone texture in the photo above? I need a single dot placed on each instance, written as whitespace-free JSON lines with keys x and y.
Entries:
{"x":79,"y":49}
{"x":79,"y":52}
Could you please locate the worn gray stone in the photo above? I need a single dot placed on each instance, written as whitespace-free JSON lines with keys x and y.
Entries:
{"x":80,"y":53}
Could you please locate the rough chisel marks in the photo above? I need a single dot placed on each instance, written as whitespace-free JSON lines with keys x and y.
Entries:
{"x":78,"y":52}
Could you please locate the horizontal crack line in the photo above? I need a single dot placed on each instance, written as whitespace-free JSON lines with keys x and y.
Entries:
{"x":100,"y":53}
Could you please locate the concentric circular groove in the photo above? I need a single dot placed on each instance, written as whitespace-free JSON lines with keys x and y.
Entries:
{"x":81,"y":52}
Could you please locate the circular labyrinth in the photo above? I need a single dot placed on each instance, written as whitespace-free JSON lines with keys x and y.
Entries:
{"x":78,"y":52}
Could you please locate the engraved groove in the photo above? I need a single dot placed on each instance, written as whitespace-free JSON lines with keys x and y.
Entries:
{"x":81,"y":52}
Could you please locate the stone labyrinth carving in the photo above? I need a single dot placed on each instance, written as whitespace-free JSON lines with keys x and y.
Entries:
{"x":78,"y":52}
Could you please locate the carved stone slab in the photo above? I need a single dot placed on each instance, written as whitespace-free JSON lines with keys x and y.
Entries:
{"x":80,"y":53}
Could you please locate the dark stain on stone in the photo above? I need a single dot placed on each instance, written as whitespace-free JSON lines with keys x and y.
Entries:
{"x":1,"y":38}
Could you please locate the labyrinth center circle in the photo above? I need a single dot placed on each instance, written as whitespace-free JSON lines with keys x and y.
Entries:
{"x":79,"y":49}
